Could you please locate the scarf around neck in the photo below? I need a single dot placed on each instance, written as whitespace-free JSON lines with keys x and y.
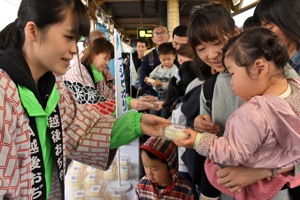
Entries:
{"x":41,"y":116}
{"x":98,"y":76}
{"x":40,"y":101}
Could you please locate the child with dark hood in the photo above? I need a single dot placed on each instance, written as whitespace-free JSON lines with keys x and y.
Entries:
{"x":160,"y":160}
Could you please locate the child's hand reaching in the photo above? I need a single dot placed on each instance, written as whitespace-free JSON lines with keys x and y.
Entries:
{"x":190,"y":141}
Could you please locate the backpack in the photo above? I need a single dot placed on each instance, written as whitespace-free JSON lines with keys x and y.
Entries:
{"x":208,"y":90}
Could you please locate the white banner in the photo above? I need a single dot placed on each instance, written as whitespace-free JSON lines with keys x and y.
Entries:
{"x":133,"y":74}
{"x":121,"y":105}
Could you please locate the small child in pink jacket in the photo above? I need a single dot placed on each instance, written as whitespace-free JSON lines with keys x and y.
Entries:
{"x":264,"y":132}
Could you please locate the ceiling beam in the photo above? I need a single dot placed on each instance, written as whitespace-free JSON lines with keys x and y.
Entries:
{"x":246,"y":8}
{"x":132,"y":26}
{"x":144,"y":20}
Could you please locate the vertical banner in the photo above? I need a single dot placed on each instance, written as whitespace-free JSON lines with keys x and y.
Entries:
{"x":133,"y":73}
{"x":121,"y":105}
{"x":111,"y":67}
{"x":103,"y":29}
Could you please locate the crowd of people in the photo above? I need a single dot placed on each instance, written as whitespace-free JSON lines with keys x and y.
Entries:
{"x":238,"y":91}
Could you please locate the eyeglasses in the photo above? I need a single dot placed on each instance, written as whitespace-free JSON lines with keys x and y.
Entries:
{"x":160,"y":33}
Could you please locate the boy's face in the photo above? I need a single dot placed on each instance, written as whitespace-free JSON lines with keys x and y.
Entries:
{"x":167,"y":60}
{"x":156,"y":171}
{"x":141,"y":48}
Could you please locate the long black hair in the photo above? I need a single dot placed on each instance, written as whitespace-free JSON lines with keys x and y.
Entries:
{"x":285,"y":14}
{"x":43,"y":13}
{"x":209,"y":22}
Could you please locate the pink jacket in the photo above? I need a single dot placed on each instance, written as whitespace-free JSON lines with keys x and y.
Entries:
{"x":262,"y":133}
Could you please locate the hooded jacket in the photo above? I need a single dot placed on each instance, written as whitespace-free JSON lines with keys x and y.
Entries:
{"x":256,"y":136}
{"x":179,"y":189}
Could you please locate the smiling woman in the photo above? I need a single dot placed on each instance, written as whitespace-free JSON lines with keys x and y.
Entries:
{"x":40,"y":120}
{"x":86,"y":77}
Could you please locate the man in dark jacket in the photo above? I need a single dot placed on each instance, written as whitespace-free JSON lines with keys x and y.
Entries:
{"x":160,"y":35}
{"x":137,"y":58}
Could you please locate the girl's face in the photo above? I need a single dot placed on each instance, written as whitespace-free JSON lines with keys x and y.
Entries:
{"x":273,"y":27}
{"x":156,"y":171}
{"x":211,"y":53}
{"x":241,"y":84}
{"x":52,"y":49}
{"x":181,"y":59}
{"x":101,"y":61}
{"x":167,"y":60}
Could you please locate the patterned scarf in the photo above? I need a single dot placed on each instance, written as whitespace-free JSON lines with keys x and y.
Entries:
{"x":46,"y":142}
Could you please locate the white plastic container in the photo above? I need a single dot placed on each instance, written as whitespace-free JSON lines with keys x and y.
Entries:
{"x":174,"y":132}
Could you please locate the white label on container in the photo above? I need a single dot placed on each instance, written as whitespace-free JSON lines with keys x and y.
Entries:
{"x":91,"y":177}
{"x":96,"y":188}
{"x":79,"y":193}
{"x":76,"y":168}
{"x":74,"y":178}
